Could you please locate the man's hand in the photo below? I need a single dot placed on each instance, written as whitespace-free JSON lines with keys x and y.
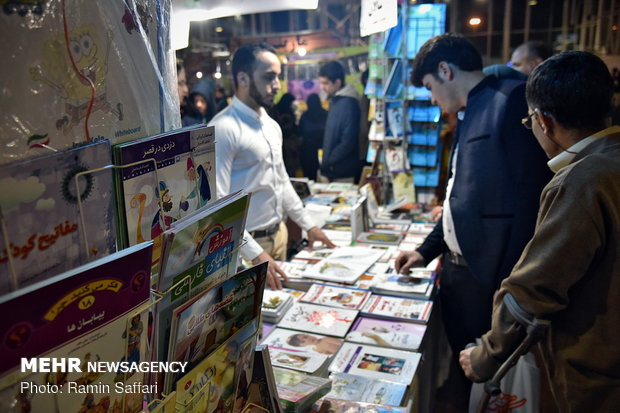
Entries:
{"x":274,"y":272}
{"x":407,"y":260}
{"x":436,"y":213}
{"x":315,"y":234}
{"x":465,"y":361}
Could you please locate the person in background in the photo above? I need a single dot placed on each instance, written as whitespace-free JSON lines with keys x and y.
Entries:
{"x":201,"y":106}
{"x":221,"y":99}
{"x":529,"y":55}
{"x":497,"y":172}
{"x":286,"y":118}
{"x":248,"y":143}
{"x":182,"y":88}
{"x":312,"y":129}
{"x":364,"y":122}
{"x":569,"y":272}
{"x":341,"y":142}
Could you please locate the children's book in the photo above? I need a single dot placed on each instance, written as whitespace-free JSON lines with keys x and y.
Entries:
{"x":184,"y":181}
{"x":336,"y":296}
{"x":41,"y":215}
{"x":398,"y":308}
{"x":216,"y":378}
{"x":387,"y":333}
{"x":203,"y":251}
{"x":262,"y":393}
{"x":397,"y":366}
{"x":310,"y":363}
{"x":210,"y":318}
{"x":95,"y":314}
{"x":298,"y":391}
{"x":350,"y":406}
{"x":302,"y":342}
{"x":344,"y":265}
{"x":319,"y":319}
{"x":362,"y":389}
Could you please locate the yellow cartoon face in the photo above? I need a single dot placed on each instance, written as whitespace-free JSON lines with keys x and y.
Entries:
{"x":89,"y":59}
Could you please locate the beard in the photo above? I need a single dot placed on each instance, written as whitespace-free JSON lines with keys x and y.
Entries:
{"x":260,"y":99}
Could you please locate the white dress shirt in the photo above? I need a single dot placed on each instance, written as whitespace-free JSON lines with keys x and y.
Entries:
{"x":248,"y":150}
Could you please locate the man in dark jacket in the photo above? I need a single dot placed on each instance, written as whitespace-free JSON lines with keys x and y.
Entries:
{"x":497,"y":174}
{"x":341,"y":141}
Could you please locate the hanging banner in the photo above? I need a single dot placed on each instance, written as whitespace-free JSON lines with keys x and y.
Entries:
{"x":377,"y":16}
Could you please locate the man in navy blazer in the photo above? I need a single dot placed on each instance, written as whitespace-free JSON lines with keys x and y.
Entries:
{"x":497,"y":172}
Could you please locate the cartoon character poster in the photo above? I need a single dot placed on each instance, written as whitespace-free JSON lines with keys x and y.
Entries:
{"x":76,"y":71}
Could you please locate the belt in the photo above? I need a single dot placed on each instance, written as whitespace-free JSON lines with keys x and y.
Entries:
{"x":456,"y":259}
{"x":267,"y":232}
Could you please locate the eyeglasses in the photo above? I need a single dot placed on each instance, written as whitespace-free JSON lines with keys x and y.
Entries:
{"x":527,"y":121}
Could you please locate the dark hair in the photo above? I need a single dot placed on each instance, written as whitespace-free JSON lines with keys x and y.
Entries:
{"x":332,"y":70}
{"x":244,"y":59}
{"x":536,"y":48}
{"x":294,"y":340}
{"x":575,"y":88}
{"x":285,"y":104}
{"x":449,"y":47}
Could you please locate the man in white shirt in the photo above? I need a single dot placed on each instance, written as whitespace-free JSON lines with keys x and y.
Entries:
{"x":248,"y":146}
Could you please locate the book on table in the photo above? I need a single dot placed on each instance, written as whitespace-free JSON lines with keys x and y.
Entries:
{"x":298,"y":391}
{"x":336,"y":296}
{"x":319,"y":319}
{"x":403,"y":286}
{"x":311,"y":363}
{"x":350,"y":406}
{"x":347,"y":386}
{"x":302,"y":342}
{"x":374,"y":362}
{"x":387,"y":333}
{"x":398,"y":308}
{"x":275,"y":304}
{"x":344,"y":265}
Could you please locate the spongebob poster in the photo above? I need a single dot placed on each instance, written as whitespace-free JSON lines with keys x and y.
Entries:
{"x":39,"y":204}
{"x":76,"y":71}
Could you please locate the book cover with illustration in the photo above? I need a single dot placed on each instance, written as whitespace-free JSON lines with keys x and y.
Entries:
{"x":397,"y":366}
{"x":344,"y":264}
{"x":94,"y":313}
{"x":319,"y":319}
{"x":39,"y":209}
{"x":209,"y":319}
{"x":217,"y":377}
{"x":202,"y":252}
{"x":336,"y":296}
{"x":398,"y":308}
{"x":302,"y":342}
{"x":184,"y":181}
{"x":310,"y":363}
{"x":275,"y":304}
{"x":404,"y":286}
{"x":387,"y":333}
{"x":363,"y":389}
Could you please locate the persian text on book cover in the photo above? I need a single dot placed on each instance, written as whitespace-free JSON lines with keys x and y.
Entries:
{"x":319,"y":319}
{"x":90,"y":314}
{"x":184,"y":181}
{"x":39,"y":204}
{"x":116,"y":86}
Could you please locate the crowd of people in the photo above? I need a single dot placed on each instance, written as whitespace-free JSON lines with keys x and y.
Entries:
{"x":532,"y":204}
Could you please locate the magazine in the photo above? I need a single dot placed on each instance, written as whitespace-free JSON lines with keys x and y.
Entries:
{"x":404,"y":286}
{"x":387,"y":333}
{"x":319,"y":319}
{"x":275,"y":304}
{"x":350,"y":406}
{"x":310,"y":363}
{"x":299,"y":341}
{"x":344,"y":265}
{"x":397,"y":366}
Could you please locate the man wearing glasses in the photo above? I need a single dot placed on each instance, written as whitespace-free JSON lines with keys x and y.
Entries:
{"x":569,"y":272}
{"x":497,"y":174}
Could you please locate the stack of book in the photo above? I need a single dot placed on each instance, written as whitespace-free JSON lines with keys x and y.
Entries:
{"x":344,"y":265}
{"x":336,"y":296}
{"x":298,"y":391}
{"x":275,"y":305}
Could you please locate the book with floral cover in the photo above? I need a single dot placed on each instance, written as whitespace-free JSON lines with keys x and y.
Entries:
{"x":319,"y":319}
